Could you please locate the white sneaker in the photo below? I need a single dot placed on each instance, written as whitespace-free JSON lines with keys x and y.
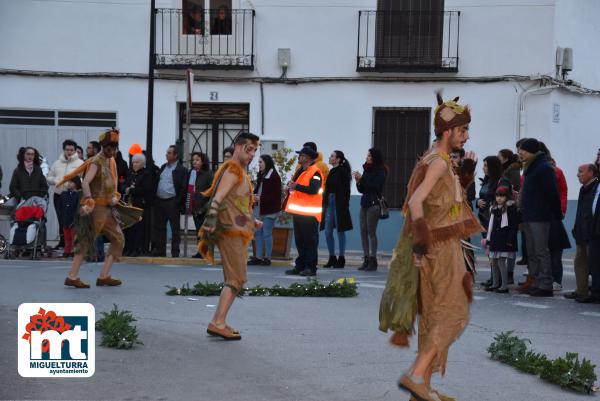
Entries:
{"x":556,"y":287}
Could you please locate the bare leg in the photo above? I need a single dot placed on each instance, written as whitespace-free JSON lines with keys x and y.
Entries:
{"x":225,"y":301}
{"x":422,"y":365}
{"x":76,"y":265}
{"x":108,"y":262}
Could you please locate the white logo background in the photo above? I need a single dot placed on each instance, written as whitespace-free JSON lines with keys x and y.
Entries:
{"x":54,"y":366}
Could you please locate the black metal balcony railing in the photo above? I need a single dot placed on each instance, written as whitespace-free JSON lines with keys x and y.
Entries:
{"x":408,"y":41}
{"x":203,"y":39}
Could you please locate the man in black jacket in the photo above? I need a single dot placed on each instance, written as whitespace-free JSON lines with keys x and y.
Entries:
{"x":540,"y":204}
{"x":170,"y":195}
{"x":594,"y":250}
{"x":582,"y":230}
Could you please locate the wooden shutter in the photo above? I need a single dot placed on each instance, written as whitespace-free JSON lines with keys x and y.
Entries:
{"x":409,"y":33}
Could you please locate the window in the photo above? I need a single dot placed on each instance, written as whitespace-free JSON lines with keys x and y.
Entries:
{"x":54,"y":118}
{"x":193,"y":17}
{"x":206,"y":16}
{"x":402,"y":135}
{"x":220,"y":18}
{"x":409,"y":33}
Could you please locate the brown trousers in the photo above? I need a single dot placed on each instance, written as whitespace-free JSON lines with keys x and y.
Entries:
{"x":443,"y":303}
{"x":234,"y":257}
{"x":106,"y":224}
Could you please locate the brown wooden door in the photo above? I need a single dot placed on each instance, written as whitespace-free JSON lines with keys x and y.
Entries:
{"x":402,"y":135}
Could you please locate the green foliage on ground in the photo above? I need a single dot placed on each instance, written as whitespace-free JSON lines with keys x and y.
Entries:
{"x":117,"y":330}
{"x":343,"y":288}
{"x":567,"y":372}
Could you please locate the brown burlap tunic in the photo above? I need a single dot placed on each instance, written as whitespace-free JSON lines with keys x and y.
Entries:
{"x":443,"y":302}
{"x":436,"y":291}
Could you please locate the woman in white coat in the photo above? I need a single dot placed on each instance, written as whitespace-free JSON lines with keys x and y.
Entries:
{"x":67,"y":162}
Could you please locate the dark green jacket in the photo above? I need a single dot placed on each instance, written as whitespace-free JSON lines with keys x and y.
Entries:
{"x":24,"y":186}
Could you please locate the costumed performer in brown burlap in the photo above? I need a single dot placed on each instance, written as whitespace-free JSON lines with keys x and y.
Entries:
{"x":97,"y":214}
{"x":427,"y":272}
{"x":229,"y":224}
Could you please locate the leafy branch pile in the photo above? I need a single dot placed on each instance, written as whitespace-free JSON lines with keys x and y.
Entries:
{"x":117,"y":330}
{"x":343,"y":288}
{"x":567,"y":372}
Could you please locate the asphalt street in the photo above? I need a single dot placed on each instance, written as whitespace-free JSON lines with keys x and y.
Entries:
{"x":309,"y":349}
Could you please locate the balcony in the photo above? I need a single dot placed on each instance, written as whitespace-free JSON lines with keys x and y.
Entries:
{"x":408,"y":41}
{"x":203,"y":39}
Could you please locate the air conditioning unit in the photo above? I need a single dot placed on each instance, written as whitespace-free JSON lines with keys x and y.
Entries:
{"x":270,"y":146}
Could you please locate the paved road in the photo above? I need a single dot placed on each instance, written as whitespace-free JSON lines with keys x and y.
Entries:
{"x":293,"y":348}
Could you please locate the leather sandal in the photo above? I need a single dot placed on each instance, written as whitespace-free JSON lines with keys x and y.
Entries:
{"x":226,"y":333}
{"x":77,"y":283}
{"x":441,"y":396}
{"x":419,"y":391}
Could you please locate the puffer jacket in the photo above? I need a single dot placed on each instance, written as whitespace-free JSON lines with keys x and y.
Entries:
{"x":60,"y":168}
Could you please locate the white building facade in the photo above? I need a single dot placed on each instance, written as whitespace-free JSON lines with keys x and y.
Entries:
{"x":359,"y":74}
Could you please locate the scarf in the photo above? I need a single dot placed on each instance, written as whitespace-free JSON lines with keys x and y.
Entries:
{"x":191,"y":188}
{"x":28,"y":166}
{"x":503,"y":223}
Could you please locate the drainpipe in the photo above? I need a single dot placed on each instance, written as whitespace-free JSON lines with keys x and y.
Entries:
{"x":521,"y":117}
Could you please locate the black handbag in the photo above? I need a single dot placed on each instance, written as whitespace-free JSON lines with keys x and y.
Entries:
{"x":384,"y":210}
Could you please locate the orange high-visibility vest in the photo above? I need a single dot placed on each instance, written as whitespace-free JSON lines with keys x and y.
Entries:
{"x":306,"y":204}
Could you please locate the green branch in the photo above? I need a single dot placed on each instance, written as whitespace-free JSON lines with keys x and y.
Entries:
{"x":344,"y":288}
{"x":567,"y":372}
{"x":117,"y":330}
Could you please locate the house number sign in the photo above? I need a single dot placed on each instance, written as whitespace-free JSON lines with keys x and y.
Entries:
{"x":214,"y":95}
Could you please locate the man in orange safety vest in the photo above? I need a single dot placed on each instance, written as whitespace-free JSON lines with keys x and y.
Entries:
{"x":305,"y":204}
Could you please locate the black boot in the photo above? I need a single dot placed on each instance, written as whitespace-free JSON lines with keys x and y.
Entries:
{"x":511,"y":278}
{"x":372,"y":264}
{"x":341,"y":262}
{"x":331,"y":262}
{"x":364,"y":263}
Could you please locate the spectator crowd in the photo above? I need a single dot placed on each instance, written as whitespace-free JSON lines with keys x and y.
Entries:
{"x":522,"y":203}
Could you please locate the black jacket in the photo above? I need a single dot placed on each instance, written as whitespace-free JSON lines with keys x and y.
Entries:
{"x":540,"y":200}
{"x":141,"y":188}
{"x":24,"y":186}
{"x":69,"y":204}
{"x":371,"y":186}
{"x":180,"y":175}
{"x":584,"y":217}
{"x":204,"y":180}
{"x":596,"y":222}
{"x":504,"y":239}
{"x":338,"y":183}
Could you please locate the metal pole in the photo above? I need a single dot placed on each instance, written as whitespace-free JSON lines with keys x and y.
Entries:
{"x":150,"y":113}
{"x":188,"y":112}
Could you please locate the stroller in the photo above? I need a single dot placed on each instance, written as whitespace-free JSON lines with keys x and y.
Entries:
{"x":28,"y":229}
{"x":5,"y":212}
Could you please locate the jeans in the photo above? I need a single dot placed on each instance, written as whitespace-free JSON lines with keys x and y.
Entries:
{"x":330,"y":225}
{"x":369,"y":218}
{"x":557,"y":265}
{"x":538,"y":254}
{"x":306,"y":236}
{"x":264,"y":237}
{"x":100,"y":246}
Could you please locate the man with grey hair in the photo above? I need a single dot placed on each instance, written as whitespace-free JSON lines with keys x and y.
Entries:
{"x":139,"y":190}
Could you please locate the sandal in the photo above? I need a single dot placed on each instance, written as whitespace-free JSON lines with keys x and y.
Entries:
{"x":226,"y":333}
